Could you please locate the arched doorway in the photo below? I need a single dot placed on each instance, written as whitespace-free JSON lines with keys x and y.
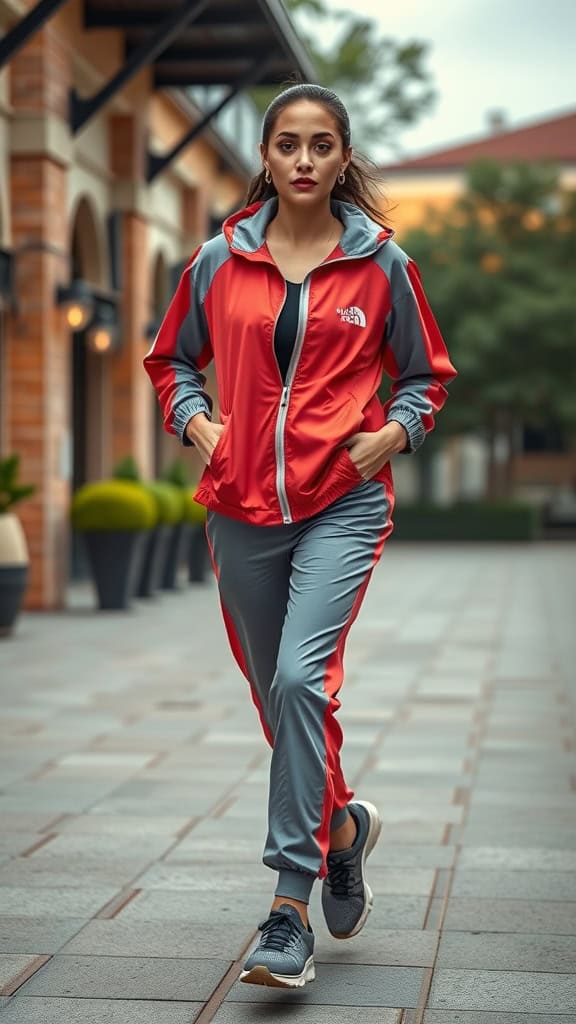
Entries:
{"x":89,"y":397}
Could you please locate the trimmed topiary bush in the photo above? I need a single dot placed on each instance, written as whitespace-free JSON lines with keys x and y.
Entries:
{"x":194,"y":512}
{"x":113,"y":505}
{"x":169,"y":501}
{"x":127,"y":469}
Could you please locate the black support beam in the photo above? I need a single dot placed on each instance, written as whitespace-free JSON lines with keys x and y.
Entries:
{"x":81,"y":110}
{"x":26,"y":28}
{"x":157,"y":163}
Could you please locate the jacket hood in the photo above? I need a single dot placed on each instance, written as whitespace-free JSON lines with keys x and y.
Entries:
{"x":245,"y":230}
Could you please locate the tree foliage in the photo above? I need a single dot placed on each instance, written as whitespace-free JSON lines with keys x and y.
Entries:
{"x":500,"y":271}
{"x":383,"y":83}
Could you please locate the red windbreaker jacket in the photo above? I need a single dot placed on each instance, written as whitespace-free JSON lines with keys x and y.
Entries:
{"x":362,"y":313}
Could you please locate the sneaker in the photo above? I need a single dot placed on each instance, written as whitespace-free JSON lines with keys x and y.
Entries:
{"x":283,"y":957}
{"x":346,"y":896}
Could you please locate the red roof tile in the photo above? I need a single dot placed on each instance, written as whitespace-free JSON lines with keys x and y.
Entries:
{"x":554,"y":139}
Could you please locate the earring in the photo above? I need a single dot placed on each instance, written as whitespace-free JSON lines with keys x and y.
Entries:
{"x":342,"y":177}
{"x":267,"y":176}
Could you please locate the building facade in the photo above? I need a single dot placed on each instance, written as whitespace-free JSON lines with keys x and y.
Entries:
{"x":98,"y":185}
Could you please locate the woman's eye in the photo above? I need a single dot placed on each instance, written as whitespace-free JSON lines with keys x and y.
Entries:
{"x":286,"y":146}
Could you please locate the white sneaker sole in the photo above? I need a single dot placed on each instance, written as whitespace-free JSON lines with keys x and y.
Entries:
{"x":374,"y":831}
{"x":260,"y":975}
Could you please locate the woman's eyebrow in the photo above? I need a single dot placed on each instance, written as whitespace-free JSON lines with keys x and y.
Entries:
{"x":316,"y":135}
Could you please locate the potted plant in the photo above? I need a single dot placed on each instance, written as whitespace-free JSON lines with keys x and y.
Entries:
{"x":170,"y":501}
{"x":114,"y":517}
{"x":198,"y":554}
{"x":13,"y":547}
{"x":156,"y":540}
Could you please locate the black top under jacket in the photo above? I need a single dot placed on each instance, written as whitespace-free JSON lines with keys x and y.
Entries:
{"x":287,"y":328}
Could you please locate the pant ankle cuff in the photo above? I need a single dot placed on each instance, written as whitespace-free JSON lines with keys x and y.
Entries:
{"x":296,"y":885}
{"x":339,"y":818}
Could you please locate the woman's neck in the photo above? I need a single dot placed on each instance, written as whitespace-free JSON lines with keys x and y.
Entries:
{"x":299,"y":227}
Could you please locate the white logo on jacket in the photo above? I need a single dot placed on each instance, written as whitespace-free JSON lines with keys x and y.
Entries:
{"x":353,"y":315}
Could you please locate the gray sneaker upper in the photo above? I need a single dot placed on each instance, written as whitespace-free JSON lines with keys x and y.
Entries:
{"x":284,"y":945}
{"x":343,"y":896}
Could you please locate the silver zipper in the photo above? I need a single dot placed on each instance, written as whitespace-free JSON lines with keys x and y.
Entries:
{"x":284,"y":400}
{"x":285,"y":396}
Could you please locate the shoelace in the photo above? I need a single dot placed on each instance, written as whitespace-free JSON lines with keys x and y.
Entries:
{"x":340,"y":879}
{"x":278,"y":931}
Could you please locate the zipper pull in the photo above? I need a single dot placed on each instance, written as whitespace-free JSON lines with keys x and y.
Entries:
{"x":284,"y":400}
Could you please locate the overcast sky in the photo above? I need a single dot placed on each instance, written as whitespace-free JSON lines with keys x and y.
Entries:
{"x":515,"y":55}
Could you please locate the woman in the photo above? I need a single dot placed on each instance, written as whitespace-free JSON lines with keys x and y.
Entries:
{"x":303,"y":301}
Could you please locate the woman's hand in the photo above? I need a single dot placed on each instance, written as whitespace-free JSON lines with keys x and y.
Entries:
{"x":204,"y":434}
{"x":370,"y":451}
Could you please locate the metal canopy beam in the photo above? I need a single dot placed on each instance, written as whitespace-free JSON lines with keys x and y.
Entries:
{"x":81,"y":110}
{"x":157,"y":164}
{"x":22,"y":32}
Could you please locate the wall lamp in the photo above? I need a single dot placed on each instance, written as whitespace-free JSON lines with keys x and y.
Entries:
{"x":77,"y":298}
{"x":103,"y":334}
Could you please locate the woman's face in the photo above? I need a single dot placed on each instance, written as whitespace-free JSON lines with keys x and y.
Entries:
{"x":305,"y":153}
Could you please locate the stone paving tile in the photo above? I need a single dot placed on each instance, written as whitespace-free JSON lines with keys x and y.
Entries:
{"x":37,"y":1010}
{"x":116,"y":825}
{"x":13,"y":843}
{"x":484,"y":1017}
{"x":43,"y":935}
{"x":11,"y":966}
{"x":109,"y":977}
{"x":178,"y":939}
{"x":377,"y":946}
{"x":520,"y":952}
{"x":489,"y":915}
{"x":18,"y":901}
{"x":357,"y":987}
{"x":26,"y":872}
{"x":504,"y":991}
{"x":240,"y":1013}
{"x":517,"y":859}
{"x":241,"y":905}
{"x":538,"y":885}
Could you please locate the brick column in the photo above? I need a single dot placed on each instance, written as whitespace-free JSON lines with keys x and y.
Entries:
{"x":37,"y":340}
{"x":131,"y":408}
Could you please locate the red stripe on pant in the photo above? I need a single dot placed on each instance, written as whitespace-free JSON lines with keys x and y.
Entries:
{"x":237,"y":651}
{"x":336,"y":794}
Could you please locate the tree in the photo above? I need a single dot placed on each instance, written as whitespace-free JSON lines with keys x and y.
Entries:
{"x":383,"y":83}
{"x":500,"y":271}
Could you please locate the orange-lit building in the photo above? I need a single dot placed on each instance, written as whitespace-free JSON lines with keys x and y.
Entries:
{"x":126,"y":135}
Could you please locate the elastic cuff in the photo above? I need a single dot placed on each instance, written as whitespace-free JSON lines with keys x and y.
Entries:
{"x":184,"y":413}
{"x":297,"y":885}
{"x":339,"y":818}
{"x":413,"y":425}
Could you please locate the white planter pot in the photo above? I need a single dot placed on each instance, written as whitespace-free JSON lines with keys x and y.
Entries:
{"x":13,"y":570}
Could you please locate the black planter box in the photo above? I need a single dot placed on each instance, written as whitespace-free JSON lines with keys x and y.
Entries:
{"x":13,"y":583}
{"x":115,"y":559}
{"x":177,"y":548}
{"x":198,"y":555}
{"x":153,"y":562}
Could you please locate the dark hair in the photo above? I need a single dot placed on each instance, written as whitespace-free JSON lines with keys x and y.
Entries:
{"x":363,"y":181}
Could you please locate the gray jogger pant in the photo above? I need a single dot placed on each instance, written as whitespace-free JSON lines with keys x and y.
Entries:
{"x":289,"y":595}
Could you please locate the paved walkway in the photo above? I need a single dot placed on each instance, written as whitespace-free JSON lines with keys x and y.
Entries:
{"x":134,"y":795}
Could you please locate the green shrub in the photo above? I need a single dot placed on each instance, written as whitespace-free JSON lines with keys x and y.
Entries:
{"x":467,"y":521}
{"x":169,"y":501}
{"x":194,"y":512}
{"x":127,"y":469}
{"x":177,"y":473}
{"x":11,"y":491}
{"x":113,"y":505}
